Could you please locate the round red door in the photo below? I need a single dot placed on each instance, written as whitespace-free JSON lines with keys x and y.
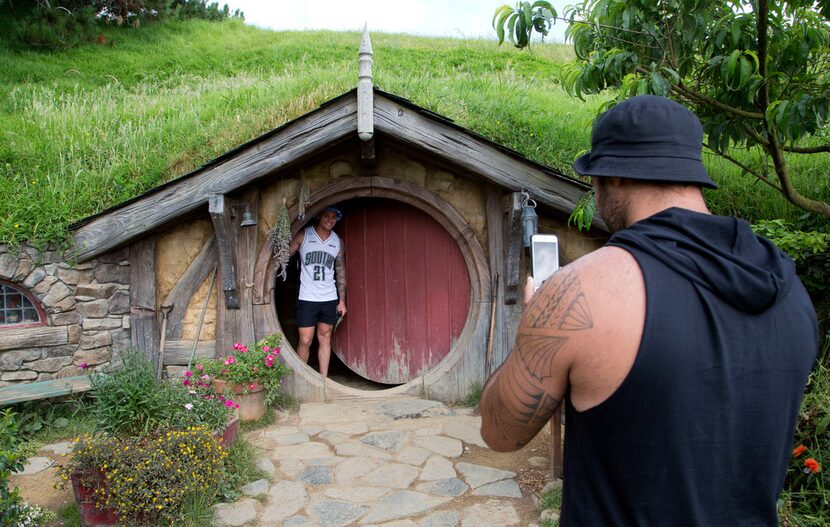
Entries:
{"x":408,"y":291}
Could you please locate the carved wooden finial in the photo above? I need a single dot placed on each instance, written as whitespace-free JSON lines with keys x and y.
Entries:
{"x":365,"y":105}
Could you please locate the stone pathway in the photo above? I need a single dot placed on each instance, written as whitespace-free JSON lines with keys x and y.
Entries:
{"x":394,"y":462}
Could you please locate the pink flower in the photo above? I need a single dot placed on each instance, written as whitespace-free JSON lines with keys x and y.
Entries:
{"x":206,"y":377}
{"x":252,"y":386}
{"x":230,"y":360}
{"x":236,"y":406}
{"x":278,"y":350}
{"x":266,"y":349}
{"x":229,"y":403}
{"x":187,"y":374}
{"x":237,"y":346}
{"x":83,"y":365}
{"x":200,"y":367}
{"x":186,"y":382}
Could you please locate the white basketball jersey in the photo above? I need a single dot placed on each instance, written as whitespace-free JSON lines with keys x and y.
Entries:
{"x":317,"y":266}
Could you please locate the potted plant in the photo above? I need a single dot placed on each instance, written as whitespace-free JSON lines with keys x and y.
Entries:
{"x":142,"y":479}
{"x":251,"y":376}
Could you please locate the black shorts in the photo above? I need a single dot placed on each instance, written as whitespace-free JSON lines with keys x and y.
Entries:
{"x":310,"y":313}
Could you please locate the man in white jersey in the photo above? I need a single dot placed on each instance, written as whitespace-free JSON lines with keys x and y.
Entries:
{"x":322,"y":285}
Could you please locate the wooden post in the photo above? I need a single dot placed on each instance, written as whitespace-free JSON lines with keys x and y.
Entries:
{"x":513,"y":240}
{"x":497,"y":347}
{"x":165,"y":310}
{"x":246,"y":253}
{"x":556,"y":440}
{"x":222,"y":214}
{"x":144,"y":322}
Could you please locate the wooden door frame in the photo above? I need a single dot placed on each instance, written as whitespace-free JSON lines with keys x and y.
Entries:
{"x":306,"y":383}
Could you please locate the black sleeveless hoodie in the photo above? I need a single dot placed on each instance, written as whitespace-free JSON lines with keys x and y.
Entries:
{"x":700,"y":431}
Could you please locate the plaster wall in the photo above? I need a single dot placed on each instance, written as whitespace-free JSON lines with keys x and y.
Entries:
{"x":176,"y":248}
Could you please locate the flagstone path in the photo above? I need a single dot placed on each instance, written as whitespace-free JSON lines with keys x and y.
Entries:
{"x":394,"y":462}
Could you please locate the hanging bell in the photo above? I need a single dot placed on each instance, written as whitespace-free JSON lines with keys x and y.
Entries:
{"x":248,"y":219}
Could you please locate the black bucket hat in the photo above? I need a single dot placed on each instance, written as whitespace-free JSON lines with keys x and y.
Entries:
{"x":649,"y":138}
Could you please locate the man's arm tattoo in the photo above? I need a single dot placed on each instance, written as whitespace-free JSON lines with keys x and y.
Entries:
{"x":540,"y":338}
{"x":514,"y":423}
{"x":340,"y":272}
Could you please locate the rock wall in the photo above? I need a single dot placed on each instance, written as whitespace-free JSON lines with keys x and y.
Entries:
{"x":87,"y":309}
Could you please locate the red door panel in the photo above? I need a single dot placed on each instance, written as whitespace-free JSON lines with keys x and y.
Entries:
{"x":408,"y":292}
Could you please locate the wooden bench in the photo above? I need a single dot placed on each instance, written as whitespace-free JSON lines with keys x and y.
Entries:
{"x":18,"y":393}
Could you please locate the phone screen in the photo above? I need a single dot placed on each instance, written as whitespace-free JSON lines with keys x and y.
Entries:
{"x":544,"y":250}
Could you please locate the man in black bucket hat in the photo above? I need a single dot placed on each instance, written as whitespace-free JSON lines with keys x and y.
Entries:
{"x":683,"y":345}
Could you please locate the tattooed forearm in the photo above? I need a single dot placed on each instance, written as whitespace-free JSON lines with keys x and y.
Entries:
{"x":340,"y":273}
{"x":516,"y":424}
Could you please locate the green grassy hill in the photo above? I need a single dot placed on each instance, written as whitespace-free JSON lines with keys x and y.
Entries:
{"x":84,"y":129}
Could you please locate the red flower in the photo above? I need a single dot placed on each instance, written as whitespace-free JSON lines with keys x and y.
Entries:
{"x":811,"y":465}
{"x":797,"y":451}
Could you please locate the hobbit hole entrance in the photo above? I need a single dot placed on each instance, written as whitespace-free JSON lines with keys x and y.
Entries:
{"x":408,"y":295}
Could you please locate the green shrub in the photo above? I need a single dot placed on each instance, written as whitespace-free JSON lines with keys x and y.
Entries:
{"x":130,"y":401}
{"x":14,"y":451}
{"x":55,"y":27}
{"x":806,"y":496}
{"x":808,"y":249}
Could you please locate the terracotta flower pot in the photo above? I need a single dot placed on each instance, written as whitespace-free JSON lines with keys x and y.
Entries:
{"x":251,"y":405}
{"x":91,"y":515}
{"x":227,"y":436}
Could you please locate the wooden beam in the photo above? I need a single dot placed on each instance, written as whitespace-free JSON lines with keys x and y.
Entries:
{"x":186,"y":287}
{"x":512,"y":207}
{"x":144,"y":322}
{"x":36,"y":337}
{"x":33,"y":391}
{"x":177,"y":352}
{"x":290,"y":144}
{"x":473,"y":154}
{"x":224,"y":219}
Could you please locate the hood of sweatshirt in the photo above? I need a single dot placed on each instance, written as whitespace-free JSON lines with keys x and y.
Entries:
{"x":719,"y":253}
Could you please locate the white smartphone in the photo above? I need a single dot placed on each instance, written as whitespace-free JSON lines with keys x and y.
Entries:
{"x":544,"y":255}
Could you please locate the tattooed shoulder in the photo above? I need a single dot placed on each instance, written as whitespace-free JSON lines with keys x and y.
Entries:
{"x":561,"y":305}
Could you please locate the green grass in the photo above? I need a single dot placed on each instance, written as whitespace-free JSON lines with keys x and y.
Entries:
{"x":88,"y":128}
{"x":69,"y":516}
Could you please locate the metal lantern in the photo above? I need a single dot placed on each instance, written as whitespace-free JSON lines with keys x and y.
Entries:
{"x":530,"y":221}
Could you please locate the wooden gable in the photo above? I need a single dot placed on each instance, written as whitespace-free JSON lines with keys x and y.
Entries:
{"x":395,"y":119}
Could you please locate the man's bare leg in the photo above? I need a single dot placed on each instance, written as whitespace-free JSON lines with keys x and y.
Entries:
{"x":306,"y":337}
{"x":324,"y":350}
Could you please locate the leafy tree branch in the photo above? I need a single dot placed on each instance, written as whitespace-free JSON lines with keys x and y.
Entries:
{"x":757,"y":73}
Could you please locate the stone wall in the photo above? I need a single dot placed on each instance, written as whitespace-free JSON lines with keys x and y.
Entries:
{"x":88,"y":314}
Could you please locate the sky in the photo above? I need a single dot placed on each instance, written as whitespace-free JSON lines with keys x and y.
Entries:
{"x":439,"y":18}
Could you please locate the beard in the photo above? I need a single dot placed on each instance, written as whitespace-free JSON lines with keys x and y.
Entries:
{"x":611,"y":206}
